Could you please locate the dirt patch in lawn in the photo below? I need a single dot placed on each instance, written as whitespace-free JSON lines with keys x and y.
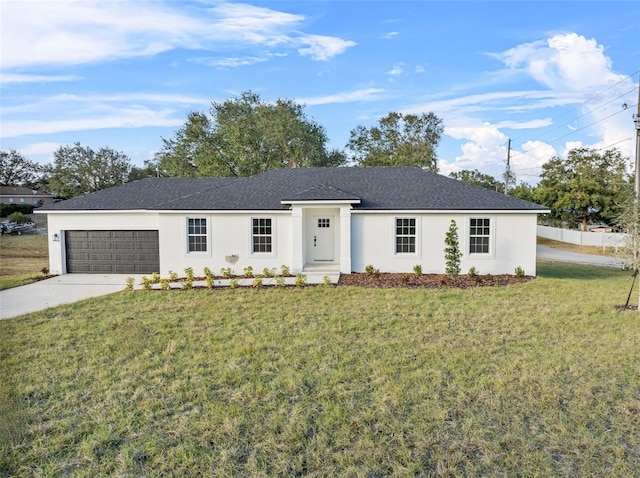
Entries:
{"x":429,"y":281}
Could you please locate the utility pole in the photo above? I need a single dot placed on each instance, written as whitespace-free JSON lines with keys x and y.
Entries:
{"x":636,"y":205}
{"x":507,"y":172}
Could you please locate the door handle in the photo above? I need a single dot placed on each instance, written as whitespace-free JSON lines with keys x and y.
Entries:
{"x":314,"y":241}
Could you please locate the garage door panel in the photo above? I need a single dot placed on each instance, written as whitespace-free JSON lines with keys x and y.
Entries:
{"x":122,"y":252}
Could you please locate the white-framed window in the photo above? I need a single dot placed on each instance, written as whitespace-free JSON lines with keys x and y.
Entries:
{"x":405,"y":235}
{"x":196,"y":234}
{"x":479,"y":235}
{"x":261,"y":235}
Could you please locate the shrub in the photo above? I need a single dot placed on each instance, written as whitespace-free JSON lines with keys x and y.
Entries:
{"x":155,"y":278}
{"x":233,"y":283}
{"x":417,"y":270}
{"x":8,"y":209}
{"x":187,"y":284}
{"x":226,"y":272}
{"x":173,"y":277}
{"x":146,"y":283}
{"x":301,"y":280}
{"x":207,"y":272}
{"x":129,"y":283}
{"x":369,"y":270}
{"x":452,"y":254}
{"x":165,"y":284}
{"x":326,"y":281}
{"x":189,"y":274}
{"x":473,"y":272}
{"x":248,"y":271}
{"x":280,"y":281}
{"x":268,"y":272}
{"x":19,"y":217}
{"x":257,"y":282}
{"x":285,"y":270}
{"x":519,"y":272}
{"x":210,"y":280}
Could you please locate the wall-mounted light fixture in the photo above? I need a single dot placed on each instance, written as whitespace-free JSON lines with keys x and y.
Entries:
{"x":56,"y":238}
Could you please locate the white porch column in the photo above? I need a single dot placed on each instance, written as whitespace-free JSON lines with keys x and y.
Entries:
{"x":297,"y":240}
{"x":345,"y":239}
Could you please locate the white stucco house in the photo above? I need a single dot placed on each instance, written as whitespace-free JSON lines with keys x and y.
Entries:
{"x":333,"y":219}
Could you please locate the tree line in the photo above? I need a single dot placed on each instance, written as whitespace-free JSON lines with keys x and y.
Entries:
{"x":245,"y":135}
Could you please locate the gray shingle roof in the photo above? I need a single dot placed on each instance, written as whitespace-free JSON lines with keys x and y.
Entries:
{"x":377,"y":188}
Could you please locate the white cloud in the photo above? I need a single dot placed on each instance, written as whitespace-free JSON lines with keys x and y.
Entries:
{"x":21,"y":78}
{"x":322,"y":48}
{"x":396,"y":70}
{"x":42,"y":151}
{"x":70,"y":32}
{"x":565,"y":61}
{"x":231,"y":62}
{"x":122,"y":118}
{"x":367,"y":94}
{"x":390,"y":35}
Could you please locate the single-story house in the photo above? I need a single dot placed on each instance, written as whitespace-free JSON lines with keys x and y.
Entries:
{"x":331,"y":219}
{"x":22,"y":195}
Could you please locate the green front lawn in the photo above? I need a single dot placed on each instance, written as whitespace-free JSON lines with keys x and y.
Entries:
{"x":534,"y":379}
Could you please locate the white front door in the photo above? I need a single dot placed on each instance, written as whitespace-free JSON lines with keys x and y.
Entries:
{"x":323,"y":239}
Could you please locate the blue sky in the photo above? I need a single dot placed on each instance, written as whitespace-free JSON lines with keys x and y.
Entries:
{"x":550,"y":75}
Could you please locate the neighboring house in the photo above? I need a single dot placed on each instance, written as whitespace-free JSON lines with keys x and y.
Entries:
{"x":332,"y":219}
{"x":20,"y":195}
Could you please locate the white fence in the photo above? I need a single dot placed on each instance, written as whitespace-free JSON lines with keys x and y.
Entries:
{"x":601,"y":239}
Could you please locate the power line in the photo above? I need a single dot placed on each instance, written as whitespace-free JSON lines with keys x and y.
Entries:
{"x":585,"y":102}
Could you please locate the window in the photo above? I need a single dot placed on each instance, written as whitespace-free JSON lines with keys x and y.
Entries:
{"x":479,"y":233}
{"x":405,"y":235}
{"x":197,"y":235}
{"x":262,"y":235}
{"x":324,"y":222}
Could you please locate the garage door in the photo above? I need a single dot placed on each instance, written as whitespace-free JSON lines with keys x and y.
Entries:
{"x":114,"y":252}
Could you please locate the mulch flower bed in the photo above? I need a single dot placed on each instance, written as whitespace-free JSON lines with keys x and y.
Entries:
{"x":429,"y":281}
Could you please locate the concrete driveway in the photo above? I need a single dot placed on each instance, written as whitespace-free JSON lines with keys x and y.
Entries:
{"x":63,"y":289}
{"x":552,"y":254}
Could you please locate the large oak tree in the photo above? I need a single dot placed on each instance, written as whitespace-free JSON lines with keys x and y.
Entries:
{"x":588,"y":186}
{"x":398,"y":140}
{"x":17,"y":170}
{"x":243,"y":136}
{"x":78,"y":170}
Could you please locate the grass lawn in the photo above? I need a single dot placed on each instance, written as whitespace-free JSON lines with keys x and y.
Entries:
{"x":535,"y":379}
{"x":22,"y":259}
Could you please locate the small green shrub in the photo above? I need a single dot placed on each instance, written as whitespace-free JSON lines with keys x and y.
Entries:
{"x":473,"y":272}
{"x":301,"y":280}
{"x":210,"y":281}
{"x":257,"y":282}
{"x":155,"y":278}
{"x":452,"y":253}
{"x":19,"y":217}
{"x":207,"y":272}
{"x":129,"y":283}
{"x":369,"y":270}
{"x":248,"y":271}
{"x":146,"y":283}
{"x":269,"y":272}
{"x":165,"y":284}
{"x":417,"y":270}
{"x":519,"y":272}
{"x":326,"y":281}
{"x":285,"y":270}
{"x":187,"y":284}
{"x":280,"y":281}
{"x":173,"y":277}
{"x":189,"y":274}
{"x":233,"y":283}
{"x":226,"y":272}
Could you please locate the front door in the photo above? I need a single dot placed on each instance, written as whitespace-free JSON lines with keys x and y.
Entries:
{"x":323,"y":239}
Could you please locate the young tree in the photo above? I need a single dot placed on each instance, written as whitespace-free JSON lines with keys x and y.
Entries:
{"x":79,"y":170}
{"x":16,"y":170}
{"x":452,"y":253}
{"x":479,"y":179}
{"x":398,"y":140}
{"x":586,"y":187}
{"x":628,"y":221}
{"x":245,"y":136}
